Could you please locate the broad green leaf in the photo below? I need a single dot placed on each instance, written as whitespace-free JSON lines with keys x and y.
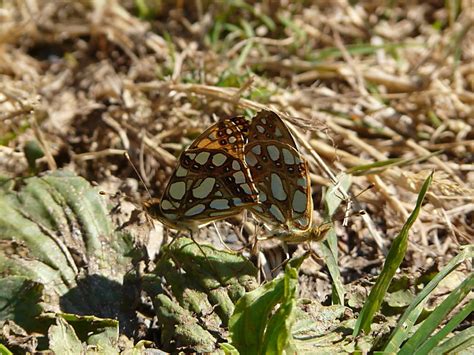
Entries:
{"x":63,"y":338}
{"x":278,"y":333}
{"x":254,"y":328}
{"x":416,"y":341}
{"x":393,"y":261}
{"x":411,"y":314}
{"x":56,"y":230}
{"x":103,"y":333}
{"x":205,"y":283}
{"x":229,"y":349}
{"x":181,"y":326}
{"x":19,"y":301}
{"x":321,"y":329}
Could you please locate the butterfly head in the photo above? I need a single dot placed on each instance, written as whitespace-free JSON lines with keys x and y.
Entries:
{"x":152,"y":207}
{"x":318,"y":233}
{"x":315,"y":233}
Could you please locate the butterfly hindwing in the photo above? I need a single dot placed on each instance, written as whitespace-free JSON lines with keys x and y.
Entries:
{"x":267,"y":126}
{"x":280,"y":174}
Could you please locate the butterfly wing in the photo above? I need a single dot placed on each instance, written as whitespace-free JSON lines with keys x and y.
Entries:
{"x":267,"y":126}
{"x":280,"y":174}
{"x":211,"y":180}
{"x":229,"y":135}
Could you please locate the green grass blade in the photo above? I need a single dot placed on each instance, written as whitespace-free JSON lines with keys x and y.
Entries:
{"x":438,"y":315}
{"x":329,"y":247}
{"x":378,"y":164}
{"x":4,"y":350}
{"x":244,"y":54}
{"x":448,"y":328}
{"x":394,"y":259}
{"x":461,"y":341}
{"x":332,"y":264}
{"x":411,"y":314}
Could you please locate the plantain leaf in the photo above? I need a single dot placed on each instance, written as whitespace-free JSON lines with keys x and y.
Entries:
{"x":56,"y":231}
{"x":202,"y":286}
{"x":63,"y":338}
{"x":19,"y":301}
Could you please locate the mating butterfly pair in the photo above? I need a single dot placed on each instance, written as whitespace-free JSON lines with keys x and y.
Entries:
{"x":233,"y":166}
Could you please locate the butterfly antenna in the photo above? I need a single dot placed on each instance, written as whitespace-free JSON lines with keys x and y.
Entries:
{"x":138,"y":174}
{"x":351,"y":202}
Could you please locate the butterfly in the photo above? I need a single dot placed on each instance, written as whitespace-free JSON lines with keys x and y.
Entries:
{"x":211,"y":180}
{"x":281,"y":176}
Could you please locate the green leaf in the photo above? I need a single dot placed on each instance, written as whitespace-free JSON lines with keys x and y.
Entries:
{"x":418,"y":342}
{"x":56,"y":230}
{"x":329,"y":248}
{"x":180,"y":326}
{"x":411,"y":314}
{"x":379,"y":166}
{"x":255,"y":326}
{"x":229,"y":349}
{"x":448,"y":328}
{"x":100,"y":332}
{"x":33,"y":152}
{"x":4,"y":350}
{"x":204,"y":283}
{"x":19,"y":301}
{"x":278,"y":333}
{"x":63,"y":338}
{"x":393,"y":261}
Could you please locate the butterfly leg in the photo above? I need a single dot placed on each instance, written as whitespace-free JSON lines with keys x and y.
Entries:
{"x":168,"y":249}
{"x":284,"y":246}
{"x":220,"y":237}
{"x":191,"y":235}
{"x":264,"y":267}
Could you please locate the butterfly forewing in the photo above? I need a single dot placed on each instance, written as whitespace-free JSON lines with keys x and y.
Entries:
{"x":228,"y":135}
{"x":280,"y":174}
{"x":211,"y":180}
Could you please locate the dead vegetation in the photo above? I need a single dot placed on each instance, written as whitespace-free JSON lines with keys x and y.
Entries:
{"x":384,"y":90}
